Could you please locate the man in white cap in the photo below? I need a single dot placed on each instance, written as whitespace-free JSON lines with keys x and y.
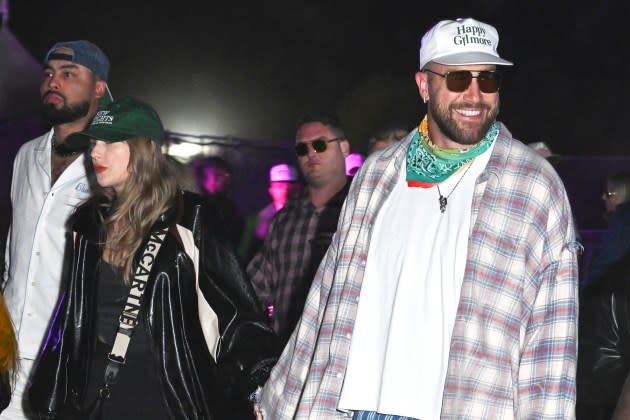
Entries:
{"x":283,"y":186}
{"x":49,"y":182}
{"x":450,"y":287}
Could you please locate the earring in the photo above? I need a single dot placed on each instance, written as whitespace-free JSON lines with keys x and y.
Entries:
{"x":425,"y":99}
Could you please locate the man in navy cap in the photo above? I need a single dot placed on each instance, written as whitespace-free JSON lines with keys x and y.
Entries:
{"x":49,"y":182}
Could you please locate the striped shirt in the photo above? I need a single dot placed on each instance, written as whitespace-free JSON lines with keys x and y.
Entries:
{"x":513,"y":348}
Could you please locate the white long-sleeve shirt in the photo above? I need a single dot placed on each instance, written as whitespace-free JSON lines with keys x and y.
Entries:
{"x":36,"y":241}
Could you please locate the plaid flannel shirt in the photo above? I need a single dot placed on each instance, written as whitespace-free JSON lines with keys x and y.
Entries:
{"x":514,"y":344}
{"x":277,"y":271}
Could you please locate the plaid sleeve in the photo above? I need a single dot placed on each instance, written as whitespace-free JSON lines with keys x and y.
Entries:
{"x":282,"y":393}
{"x":259,"y":270}
{"x":546,"y":379}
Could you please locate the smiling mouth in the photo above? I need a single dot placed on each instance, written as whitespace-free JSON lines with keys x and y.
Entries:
{"x":469,"y":112}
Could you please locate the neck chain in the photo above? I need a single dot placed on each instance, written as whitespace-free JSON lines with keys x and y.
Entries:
{"x":61,"y":150}
{"x":444,"y":200}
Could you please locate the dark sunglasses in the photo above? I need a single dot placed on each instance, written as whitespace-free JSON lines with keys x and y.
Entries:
{"x":319,"y":145}
{"x":458,"y":81}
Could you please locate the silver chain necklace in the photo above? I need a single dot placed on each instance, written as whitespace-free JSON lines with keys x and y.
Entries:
{"x":444,"y":200}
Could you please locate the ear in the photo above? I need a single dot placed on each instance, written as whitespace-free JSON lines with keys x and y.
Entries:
{"x":100,"y":88}
{"x":423,"y":85}
{"x":345,"y":147}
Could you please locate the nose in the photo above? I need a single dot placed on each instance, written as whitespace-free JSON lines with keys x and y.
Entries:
{"x":52,"y":81}
{"x":473,"y":92}
{"x":311,"y":150}
{"x":98,"y":147}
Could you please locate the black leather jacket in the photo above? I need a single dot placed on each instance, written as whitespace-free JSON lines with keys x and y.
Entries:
{"x":604,"y":342}
{"x":198,"y":388}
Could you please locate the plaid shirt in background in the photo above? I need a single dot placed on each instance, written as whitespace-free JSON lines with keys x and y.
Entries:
{"x":513,"y":349}
{"x":283,"y":269}
{"x":277,"y":270}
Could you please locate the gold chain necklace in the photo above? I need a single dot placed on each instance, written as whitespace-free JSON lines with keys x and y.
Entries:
{"x":444,"y":200}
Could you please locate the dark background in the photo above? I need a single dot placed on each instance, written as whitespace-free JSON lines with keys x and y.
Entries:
{"x":238,"y":74}
{"x":248,"y":69}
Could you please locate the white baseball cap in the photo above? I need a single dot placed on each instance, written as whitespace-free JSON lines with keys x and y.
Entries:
{"x":461,"y":41}
{"x":283,"y":173}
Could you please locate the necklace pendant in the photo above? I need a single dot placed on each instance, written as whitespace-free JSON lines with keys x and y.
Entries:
{"x":443,"y":203}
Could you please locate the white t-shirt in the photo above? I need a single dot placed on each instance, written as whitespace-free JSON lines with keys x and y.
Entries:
{"x":400,"y":346}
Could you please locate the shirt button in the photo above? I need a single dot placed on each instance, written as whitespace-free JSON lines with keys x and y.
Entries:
{"x":348,"y":336}
{"x":37,"y":253}
{"x":338,"y":375}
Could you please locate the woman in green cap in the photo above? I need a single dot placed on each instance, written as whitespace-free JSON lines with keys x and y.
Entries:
{"x":156,"y":320}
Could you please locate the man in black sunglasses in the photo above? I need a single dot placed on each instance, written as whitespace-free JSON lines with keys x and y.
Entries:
{"x":450,"y":287}
{"x":283,"y":269}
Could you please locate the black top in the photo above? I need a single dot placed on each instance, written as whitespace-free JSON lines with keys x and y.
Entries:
{"x":138,"y":392}
{"x":195,"y":386}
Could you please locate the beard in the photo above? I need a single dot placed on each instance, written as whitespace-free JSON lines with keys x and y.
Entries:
{"x":464,"y":135}
{"x":65,"y":114}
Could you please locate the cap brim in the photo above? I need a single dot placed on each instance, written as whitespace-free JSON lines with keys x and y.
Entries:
{"x":471,"y":58}
{"x":77,"y":141}
{"x":80,"y":140}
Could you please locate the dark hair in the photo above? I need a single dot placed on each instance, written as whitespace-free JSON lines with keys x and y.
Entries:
{"x":200,"y":165}
{"x":329,"y":120}
{"x":389,"y":133}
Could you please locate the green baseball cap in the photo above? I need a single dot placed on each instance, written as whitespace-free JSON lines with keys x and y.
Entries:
{"x":119,"y":121}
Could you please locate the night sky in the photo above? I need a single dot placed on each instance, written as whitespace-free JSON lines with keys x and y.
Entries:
{"x":248,"y":69}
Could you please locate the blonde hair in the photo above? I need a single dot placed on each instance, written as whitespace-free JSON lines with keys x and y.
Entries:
{"x":148,"y":192}
{"x":8,"y":345}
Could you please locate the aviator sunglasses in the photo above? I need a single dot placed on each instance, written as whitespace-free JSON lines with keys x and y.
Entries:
{"x":319,"y":145}
{"x":458,"y":81}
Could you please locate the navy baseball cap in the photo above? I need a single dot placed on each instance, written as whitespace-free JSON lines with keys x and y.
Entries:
{"x":81,"y":52}
{"x":88,"y":55}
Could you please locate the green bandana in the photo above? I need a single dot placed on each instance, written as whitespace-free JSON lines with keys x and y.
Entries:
{"x":429,"y":164}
